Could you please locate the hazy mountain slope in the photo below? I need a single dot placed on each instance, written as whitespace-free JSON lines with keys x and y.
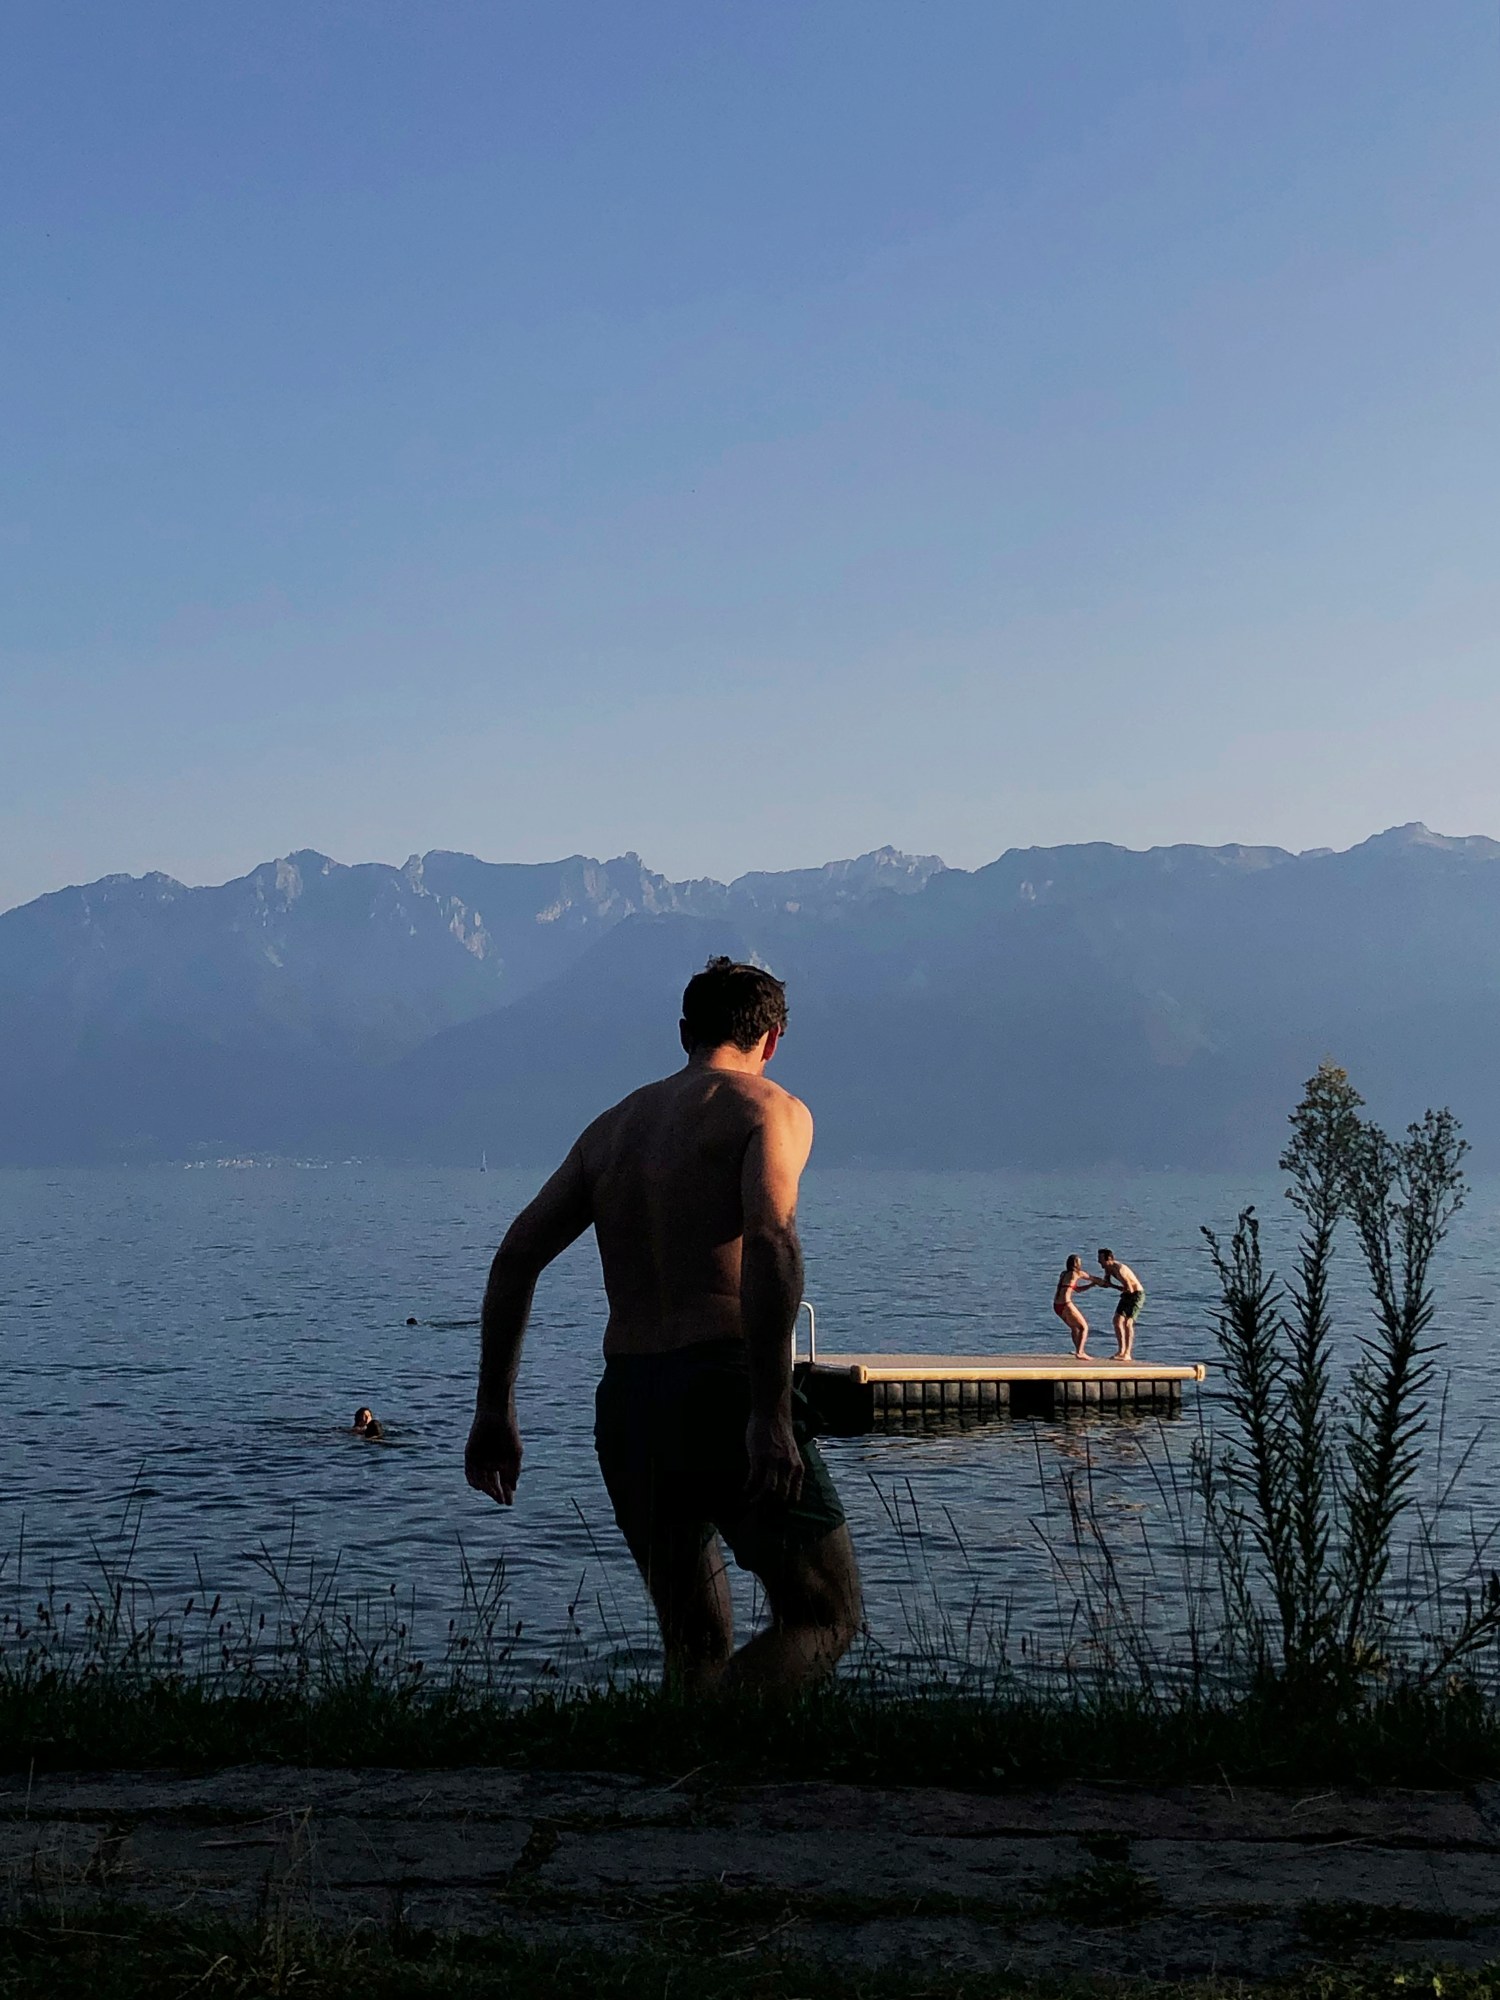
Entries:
{"x":139,"y":1016}
{"x":1003,"y":1042}
{"x":318,"y":950}
{"x":837,"y":885}
{"x":1076,"y":1005}
{"x":520,"y":1083}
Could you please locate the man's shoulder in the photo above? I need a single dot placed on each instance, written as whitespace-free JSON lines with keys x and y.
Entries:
{"x":597,"y":1134}
{"x":642,"y":1096}
{"x":749,"y":1102}
{"x":773,"y":1110}
{"x":785,"y":1104}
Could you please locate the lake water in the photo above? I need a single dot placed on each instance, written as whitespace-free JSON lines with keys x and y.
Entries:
{"x":199,"y":1338}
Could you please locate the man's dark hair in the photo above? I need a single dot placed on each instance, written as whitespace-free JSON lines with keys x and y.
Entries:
{"x":1106,"y":1256}
{"x":729,"y":1002}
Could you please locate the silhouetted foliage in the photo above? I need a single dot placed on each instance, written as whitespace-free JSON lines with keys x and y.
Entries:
{"x":1305,"y":1507}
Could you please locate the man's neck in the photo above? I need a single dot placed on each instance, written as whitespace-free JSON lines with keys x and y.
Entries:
{"x":743,"y":1062}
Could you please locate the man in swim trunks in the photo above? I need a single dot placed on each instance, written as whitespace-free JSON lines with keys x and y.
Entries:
{"x":691,"y":1187}
{"x":1132,"y":1298}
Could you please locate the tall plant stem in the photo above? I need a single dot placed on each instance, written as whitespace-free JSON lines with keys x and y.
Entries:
{"x":1404,"y":1197}
{"x":1324,"y":1144}
{"x":1250,"y":1325}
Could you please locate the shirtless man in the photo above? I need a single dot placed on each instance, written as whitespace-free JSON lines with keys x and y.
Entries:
{"x":691,"y":1187}
{"x":1132,"y":1292}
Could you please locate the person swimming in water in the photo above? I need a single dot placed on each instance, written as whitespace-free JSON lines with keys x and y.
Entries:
{"x":1074,"y":1278}
{"x":367,"y":1425}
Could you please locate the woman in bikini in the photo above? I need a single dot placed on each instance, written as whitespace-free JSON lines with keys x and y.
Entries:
{"x":1073,"y":1278}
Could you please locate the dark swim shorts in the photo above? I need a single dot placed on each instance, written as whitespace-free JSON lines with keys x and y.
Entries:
{"x":1130,"y":1305}
{"x":670,"y":1433}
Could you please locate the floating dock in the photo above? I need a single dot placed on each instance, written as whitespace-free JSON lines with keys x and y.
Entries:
{"x":855,"y":1393}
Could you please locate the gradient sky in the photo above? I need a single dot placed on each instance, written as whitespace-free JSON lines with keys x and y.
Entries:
{"x":745,"y":431}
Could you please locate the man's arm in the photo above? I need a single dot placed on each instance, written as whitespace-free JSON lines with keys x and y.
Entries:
{"x":543,"y":1230}
{"x":771,"y":1291}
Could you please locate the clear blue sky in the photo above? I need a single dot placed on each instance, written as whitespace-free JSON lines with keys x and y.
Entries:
{"x":746,"y":431}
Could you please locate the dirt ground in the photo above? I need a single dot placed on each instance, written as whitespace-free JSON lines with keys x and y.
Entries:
{"x":1176,"y":1883}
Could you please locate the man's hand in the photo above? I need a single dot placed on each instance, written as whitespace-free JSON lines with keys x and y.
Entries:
{"x":492,"y":1457}
{"x":775,"y":1462}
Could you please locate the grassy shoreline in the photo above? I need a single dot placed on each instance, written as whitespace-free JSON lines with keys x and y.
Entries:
{"x":1437,"y":1740}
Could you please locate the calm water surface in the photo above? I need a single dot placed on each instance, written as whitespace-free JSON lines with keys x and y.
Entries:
{"x":199,"y":1337}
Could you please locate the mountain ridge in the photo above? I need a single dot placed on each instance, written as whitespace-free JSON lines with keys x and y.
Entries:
{"x":1075,"y":1004}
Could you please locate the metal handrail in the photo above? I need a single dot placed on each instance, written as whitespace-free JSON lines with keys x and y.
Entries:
{"x":812,"y":1332}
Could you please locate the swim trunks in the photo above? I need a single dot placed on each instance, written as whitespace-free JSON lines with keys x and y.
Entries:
{"x":669,"y":1430}
{"x":1130,"y":1305}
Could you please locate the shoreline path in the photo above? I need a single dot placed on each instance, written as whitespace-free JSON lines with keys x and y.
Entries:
{"x":1102,"y":1881}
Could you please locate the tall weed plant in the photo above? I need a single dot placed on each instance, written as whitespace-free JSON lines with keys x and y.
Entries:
{"x":1305,"y":1503}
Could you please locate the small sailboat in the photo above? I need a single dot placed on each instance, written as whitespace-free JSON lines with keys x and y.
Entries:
{"x":484,"y":1163}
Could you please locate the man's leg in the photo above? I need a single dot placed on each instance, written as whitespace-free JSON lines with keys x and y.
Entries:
{"x":688,"y":1586}
{"x":813,"y":1594}
{"x":675,"y":1548}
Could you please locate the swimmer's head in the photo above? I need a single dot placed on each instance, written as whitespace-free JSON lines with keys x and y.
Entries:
{"x":363,"y":1420}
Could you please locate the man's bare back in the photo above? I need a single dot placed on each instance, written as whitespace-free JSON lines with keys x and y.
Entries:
{"x":666,"y":1173}
{"x":691,"y":1187}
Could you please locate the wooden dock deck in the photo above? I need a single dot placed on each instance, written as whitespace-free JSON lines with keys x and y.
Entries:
{"x":855,"y":1393}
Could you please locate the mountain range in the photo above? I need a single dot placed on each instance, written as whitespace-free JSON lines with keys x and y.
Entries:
{"x":1072,"y":1006}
